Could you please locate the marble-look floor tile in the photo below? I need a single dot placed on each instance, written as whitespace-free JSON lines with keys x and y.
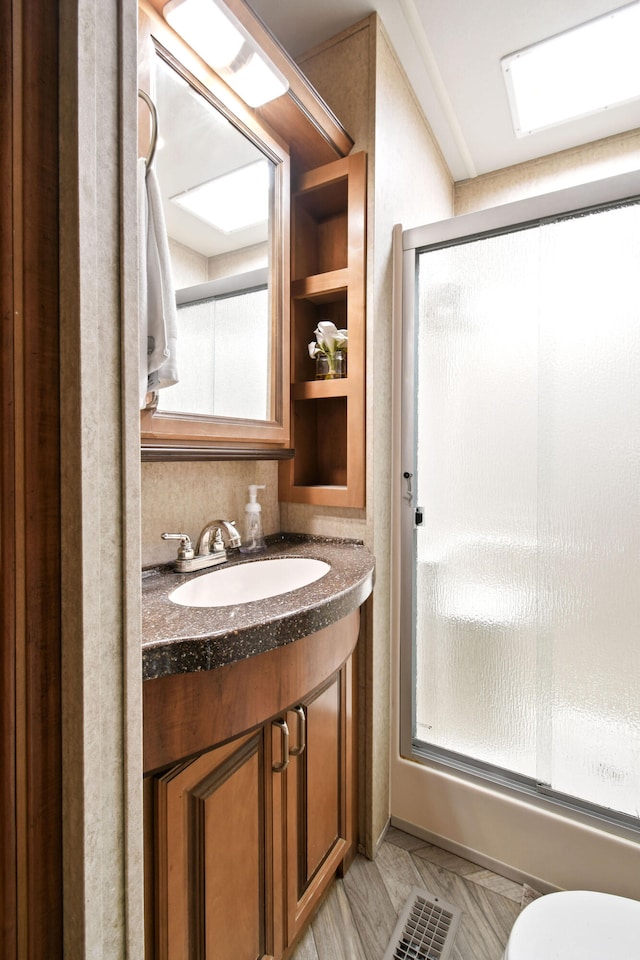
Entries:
{"x":492,"y":881}
{"x":401,"y":839}
{"x":357,"y":918}
{"x":529,"y":895}
{"x":450,"y":861}
{"x":306,"y":948}
{"x":334,"y":931}
{"x":373,"y":911}
{"x":487,"y":917}
{"x":399,"y":873}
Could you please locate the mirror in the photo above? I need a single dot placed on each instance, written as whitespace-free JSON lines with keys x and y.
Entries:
{"x":222,"y":181}
{"x":217,"y":195}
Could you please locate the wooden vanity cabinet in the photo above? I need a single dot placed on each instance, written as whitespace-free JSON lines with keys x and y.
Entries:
{"x":320,"y":796}
{"x":243,"y":838}
{"x":213,"y":868}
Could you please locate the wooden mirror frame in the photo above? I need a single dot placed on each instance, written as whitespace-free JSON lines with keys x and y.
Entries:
{"x":174,"y":436}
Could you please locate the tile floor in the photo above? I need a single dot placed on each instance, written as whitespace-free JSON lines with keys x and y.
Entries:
{"x":357,"y":919}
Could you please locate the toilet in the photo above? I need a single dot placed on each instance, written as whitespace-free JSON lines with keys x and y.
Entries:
{"x":576,"y":925}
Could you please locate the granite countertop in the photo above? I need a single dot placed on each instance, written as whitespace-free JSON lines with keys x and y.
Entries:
{"x":179,"y":639}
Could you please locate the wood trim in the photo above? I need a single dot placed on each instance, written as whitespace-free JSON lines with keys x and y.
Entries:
{"x":320,"y":284}
{"x":324,"y":130}
{"x":177,"y":453}
{"x":301,"y":116}
{"x":30,"y":744}
{"x":350,"y":720}
{"x":8,"y":811}
{"x":329,"y":274}
{"x":163,"y":430}
{"x":357,"y":244}
{"x":239,"y":696}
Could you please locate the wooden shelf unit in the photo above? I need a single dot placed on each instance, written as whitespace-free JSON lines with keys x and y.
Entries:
{"x":328,"y":235}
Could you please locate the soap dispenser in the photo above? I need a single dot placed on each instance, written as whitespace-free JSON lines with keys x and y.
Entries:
{"x":253,"y":539}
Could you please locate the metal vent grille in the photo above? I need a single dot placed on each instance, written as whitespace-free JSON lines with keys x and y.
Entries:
{"x":425,"y":929}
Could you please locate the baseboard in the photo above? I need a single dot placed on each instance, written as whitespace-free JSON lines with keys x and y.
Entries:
{"x":467,"y":853}
{"x":362,"y":849}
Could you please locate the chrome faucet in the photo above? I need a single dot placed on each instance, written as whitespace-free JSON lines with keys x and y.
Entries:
{"x":213,"y":528}
{"x":210,"y":549}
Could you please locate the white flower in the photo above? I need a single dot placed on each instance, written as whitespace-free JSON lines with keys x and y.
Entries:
{"x":328,"y":339}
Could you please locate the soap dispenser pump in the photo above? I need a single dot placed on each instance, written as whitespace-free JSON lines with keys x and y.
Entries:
{"x":253,"y":539}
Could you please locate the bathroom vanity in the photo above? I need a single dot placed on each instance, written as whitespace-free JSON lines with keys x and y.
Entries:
{"x":249,"y":757}
{"x":249,"y":733}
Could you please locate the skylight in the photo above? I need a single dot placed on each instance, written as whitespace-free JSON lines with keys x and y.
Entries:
{"x":233,"y":201}
{"x":585,"y":70}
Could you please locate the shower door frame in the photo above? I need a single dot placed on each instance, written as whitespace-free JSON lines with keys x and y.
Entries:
{"x":514,"y":216}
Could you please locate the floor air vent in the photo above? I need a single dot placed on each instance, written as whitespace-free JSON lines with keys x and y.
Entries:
{"x":425,"y":929}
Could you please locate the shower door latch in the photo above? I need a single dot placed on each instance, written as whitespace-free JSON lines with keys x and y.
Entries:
{"x":408,"y":496}
{"x":418,"y":517}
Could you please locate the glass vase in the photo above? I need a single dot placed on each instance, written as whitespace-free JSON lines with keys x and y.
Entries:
{"x":331,"y":366}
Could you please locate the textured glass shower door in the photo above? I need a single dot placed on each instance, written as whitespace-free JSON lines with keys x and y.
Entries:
{"x":527,"y":469}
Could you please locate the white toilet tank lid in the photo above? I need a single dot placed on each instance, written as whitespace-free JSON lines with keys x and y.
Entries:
{"x":577,"y":925}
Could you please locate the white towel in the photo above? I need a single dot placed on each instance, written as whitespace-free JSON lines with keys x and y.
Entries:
{"x":157,"y":304}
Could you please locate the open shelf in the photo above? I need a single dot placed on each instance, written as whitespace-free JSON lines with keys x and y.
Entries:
{"x":319,"y":389}
{"x":321,"y":449}
{"x":328,"y":283}
{"x":320,"y":228}
{"x":306,"y":313}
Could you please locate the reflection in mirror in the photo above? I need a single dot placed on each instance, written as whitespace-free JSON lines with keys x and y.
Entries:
{"x":214,"y":326}
{"x":217,"y":190}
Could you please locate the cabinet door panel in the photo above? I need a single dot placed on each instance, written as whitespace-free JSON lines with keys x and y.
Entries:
{"x":211,"y":872}
{"x":322,"y":776}
{"x":227,"y":833}
{"x":319,"y":798}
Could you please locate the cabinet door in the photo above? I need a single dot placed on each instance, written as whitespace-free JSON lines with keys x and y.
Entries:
{"x":320,"y":793}
{"x":213,"y":855}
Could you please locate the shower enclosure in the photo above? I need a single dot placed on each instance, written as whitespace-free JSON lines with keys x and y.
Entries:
{"x":521,"y":517}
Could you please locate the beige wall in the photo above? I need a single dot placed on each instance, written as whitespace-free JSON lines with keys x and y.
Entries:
{"x":361,"y":80}
{"x":188,"y":266}
{"x":183,"y":497}
{"x":238,"y":261}
{"x":100,"y":461}
{"x":594,"y":161}
{"x":518,"y":837}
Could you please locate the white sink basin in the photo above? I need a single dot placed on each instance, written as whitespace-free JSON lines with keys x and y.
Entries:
{"x":249,"y":581}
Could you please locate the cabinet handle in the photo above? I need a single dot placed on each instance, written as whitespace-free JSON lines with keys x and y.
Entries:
{"x":302,"y":731}
{"x":284,"y":733}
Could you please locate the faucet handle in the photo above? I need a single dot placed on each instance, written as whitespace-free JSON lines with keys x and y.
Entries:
{"x":231,"y":531}
{"x":234,"y":536}
{"x":185,"y":550}
{"x":218,"y":542}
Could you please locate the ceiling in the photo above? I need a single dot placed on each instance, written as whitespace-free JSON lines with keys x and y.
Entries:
{"x":197,"y":146}
{"x":451,"y":51}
